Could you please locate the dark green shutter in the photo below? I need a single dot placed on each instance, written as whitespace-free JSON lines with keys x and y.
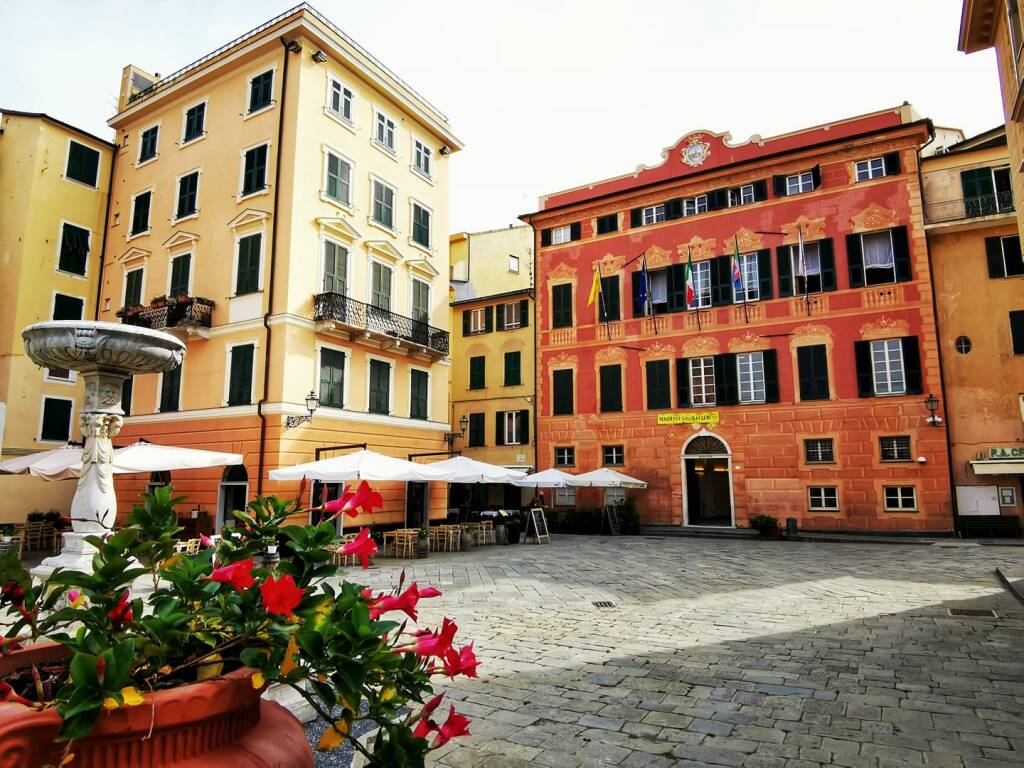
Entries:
{"x":74,"y":249}
{"x":477,"y":372}
{"x":240,"y":382}
{"x":727,"y":390}
{"x":140,"y":213}
{"x":545,"y":237}
{"x":785,"y":265}
{"x":133,"y":288}
{"x":770,"y":363}
{"x":901,"y":254}
{"x":180,"y":269}
{"x":812,"y":367}
{"x":912,"y":365}
{"x":524,"y":313}
{"x":608,"y":308}
{"x":608,"y":223}
{"x":255,"y":176}
{"x":418,"y":395}
{"x":994,"y":254}
{"x":379,"y":387}
{"x":674,"y":209}
{"x":476,"y":430}
{"x":636,"y":217}
{"x":56,"y":419}
{"x":721,"y":281}
{"x":1017,"y":331}
{"x":682,"y":382}
{"x":513,"y":375}
{"x":561,"y":401}
{"x":816,"y":176}
{"x":466,"y":313}
{"x":188,"y":188}
{"x":675,"y":290}
{"x":332,"y":378}
{"x":865,"y":373}
{"x":126,"y":395}
{"x":610,"y":378}
{"x":760,"y":190}
{"x":83,"y":164}
{"x":499,"y":319}
{"x":764,"y":274}
{"x":779,"y":186}
{"x":828,"y":265}
{"x":248,"y":278}
{"x":524,"y":427}
{"x":488,"y":319}
{"x":855,"y":260}
{"x":891,"y":160}
{"x":561,"y":306}
{"x":67,"y":307}
{"x":1014,"y":261}
{"x":575,"y":231}
{"x":658,"y":393}
{"x":499,"y":428}
{"x":170,"y":387}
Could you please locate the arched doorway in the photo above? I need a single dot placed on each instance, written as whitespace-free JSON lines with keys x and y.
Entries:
{"x":707,"y":481}
{"x":233,"y":495}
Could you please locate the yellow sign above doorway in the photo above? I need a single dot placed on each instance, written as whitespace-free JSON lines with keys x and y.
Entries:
{"x":699,"y":417}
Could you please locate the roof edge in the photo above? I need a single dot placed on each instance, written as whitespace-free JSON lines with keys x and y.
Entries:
{"x":61,"y":123}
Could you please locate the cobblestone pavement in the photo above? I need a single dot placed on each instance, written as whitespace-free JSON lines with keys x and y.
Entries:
{"x":753,"y":654}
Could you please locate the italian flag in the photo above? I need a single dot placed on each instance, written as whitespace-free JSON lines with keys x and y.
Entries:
{"x":689,"y":278}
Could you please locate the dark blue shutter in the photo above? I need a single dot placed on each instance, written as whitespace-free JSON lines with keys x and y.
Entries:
{"x":855,"y":261}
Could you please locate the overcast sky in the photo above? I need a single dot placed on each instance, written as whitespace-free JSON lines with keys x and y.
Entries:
{"x":547,"y":94}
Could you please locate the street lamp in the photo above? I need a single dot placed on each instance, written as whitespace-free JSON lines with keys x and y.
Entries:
{"x":451,"y":437}
{"x":312,"y":403}
{"x":931,"y":403}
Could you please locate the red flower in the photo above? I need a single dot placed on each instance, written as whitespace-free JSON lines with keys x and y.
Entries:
{"x":425,"y":724}
{"x":455,"y":725}
{"x":436,"y":643}
{"x":462,"y":662}
{"x":7,"y":694}
{"x":405,"y":602}
{"x":350,"y":501}
{"x":238,"y":575}
{"x":430,"y":592}
{"x":14,"y":592}
{"x":280,"y":596}
{"x":121,"y":613}
{"x":101,"y":668}
{"x":362,"y":547}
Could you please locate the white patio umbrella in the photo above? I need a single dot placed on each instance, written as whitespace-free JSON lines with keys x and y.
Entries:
{"x":138,"y":457}
{"x":608,"y":478}
{"x":549,"y":478}
{"x":361,"y":465}
{"x":23,"y":464}
{"x":467,"y":470}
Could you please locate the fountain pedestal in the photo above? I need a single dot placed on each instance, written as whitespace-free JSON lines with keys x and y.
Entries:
{"x":106,"y":354}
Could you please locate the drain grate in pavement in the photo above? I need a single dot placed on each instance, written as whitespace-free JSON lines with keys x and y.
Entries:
{"x":973,"y":612}
{"x":603,"y":604}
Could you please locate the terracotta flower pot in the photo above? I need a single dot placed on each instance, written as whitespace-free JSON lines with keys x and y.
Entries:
{"x":221,"y":722}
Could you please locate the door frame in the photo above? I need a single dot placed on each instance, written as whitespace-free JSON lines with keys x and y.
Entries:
{"x":683,"y":457}
{"x":221,"y":517}
{"x":425,"y":511}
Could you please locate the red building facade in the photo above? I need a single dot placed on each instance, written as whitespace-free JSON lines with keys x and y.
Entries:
{"x":797,"y":390}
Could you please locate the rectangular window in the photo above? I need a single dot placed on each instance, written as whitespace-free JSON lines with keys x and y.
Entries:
{"x":420,"y":225}
{"x":1017,"y":331}
{"x":747,"y":194}
{"x":67,"y":307}
{"x":332,"y":378}
{"x":74,"y":249}
{"x":380,"y":285}
{"x":147,"y":144}
{"x":819,"y":451}
{"x":561,"y":305}
{"x":879,"y":258}
{"x":422,"y":157}
{"x":420,"y":303}
{"x":561,"y":235}
{"x":653,"y":214}
{"x":658,"y":391}
{"x":823,"y":499}
{"x":565,"y":456}
{"x":418,"y":394}
{"x":335,"y":267}
{"x":510,"y":315}
{"x":562,"y":397}
{"x":383,"y":204}
{"x":261,"y":91}
{"x":900,"y":498}
{"x":812,"y":368}
{"x":337,"y":178}
{"x":140,"y":213}
{"x":695,"y":205}
{"x":513,"y":369}
{"x":476,"y":430}
{"x":887,"y":367}
{"x":254,"y":173}
{"x":188,"y":195}
{"x":248,"y":278}
{"x":514,"y":427}
{"x":610,"y":378}
{"x":478,"y":320}
{"x":750,"y":369}
{"x":895,"y":448}
{"x":170,"y":390}
{"x":56,"y":425}
{"x":609,"y":305}
{"x":986,"y":191}
{"x":800,"y":182}
{"x":1004,"y":256}
{"x":513,"y":264}
{"x":380,"y":388}
{"x":701,"y":278}
{"x":195,"y":122}
{"x":240,"y":377}
{"x":385,"y":132}
{"x":750,"y":286}
{"x":339,"y":100}
{"x":181,"y":269}
{"x":83,"y":164}
{"x":477,"y":372}
{"x":870,"y":169}
{"x":702,"y":381}
{"x":613,"y":455}
{"x":133,"y":288}
{"x":609,"y":223}
{"x":809,"y":271}
{"x":565,"y":497}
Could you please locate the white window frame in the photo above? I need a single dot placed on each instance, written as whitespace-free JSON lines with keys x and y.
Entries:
{"x":191,"y":253}
{"x":142,"y":283}
{"x":412,"y":295}
{"x":652,"y":214}
{"x":99,"y":163}
{"x":863,"y":264}
{"x":413,"y":205}
{"x":374,"y":181}
{"x":430,"y":390}
{"x":241,"y":172}
{"x":513,"y":263}
{"x":747,"y":195}
{"x":347,"y":354}
{"x":822,"y":502}
{"x":751,"y":384}
{"x":478,"y":313}
{"x":565,"y":497}
{"x":871,"y":168}
{"x":883,"y":382}
{"x":701,"y":285}
{"x":337,"y":242}
{"x":332,"y":80}
{"x":901,"y":496}
{"x":516,"y":321}
{"x":254,"y":343}
{"x":561,"y":235}
{"x":42,"y":410}
{"x":246,"y":114}
{"x":181,"y":389}
{"x":421,"y":149}
{"x":131,"y":215}
{"x":750,"y":284}
{"x":617,"y":450}
{"x":513,"y":426}
{"x":377,"y":115}
{"x":327,"y":151}
{"x":60,"y":246}
{"x":707,"y":366}
{"x":570,"y":455}
{"x":794,"y":265}
{"x":184,"y":121}
{"x":798,"y":183}
{"x":177,"y":193}
{"x":262,"y":232}
{"x":391,"y":385}
{"x":369,"y":284}
{"x":694,"y":205}
{"x":156,"y":155}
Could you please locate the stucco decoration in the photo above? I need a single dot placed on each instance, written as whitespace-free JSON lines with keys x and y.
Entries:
{"x":699,"y":247}
{"x":748,"y":342}
{"x":657,"y":257}
{"x":607,"y":355}
{"x":811,"y":333}
{"x":562,"y":360}
{"x":701,"y":346}
{"x":611,"y":264}
{"x":561,"y":272}
{"x":873,"y":217}
{"x":885,"y":327}
{"x":748,"y":241}
{"x":658,"y":350}
{"x":814,"y":229}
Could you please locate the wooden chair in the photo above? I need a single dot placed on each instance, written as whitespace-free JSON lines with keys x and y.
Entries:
{"x":405,"y":542}
{"x":487,"y":531}
{"x":192,"y":546}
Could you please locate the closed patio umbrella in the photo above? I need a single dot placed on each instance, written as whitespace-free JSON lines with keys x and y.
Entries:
{"x":138,"y":457}
{"x":467,"y":470}
{"x":549,"y":478}
{"x":608,"y":478}
{"x":361,"y":465}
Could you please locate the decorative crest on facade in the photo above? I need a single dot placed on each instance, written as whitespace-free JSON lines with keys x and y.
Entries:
{"x":658,"y":350}
{"x":610,"y":355}
{"x":658,"y":257}
{"x":875,"y":216}
{"x":748,"y":342}
{"x":562,"y":360}
{"x":747,"y":239}
{"x":699,"y":247}
{"x":701,"y":346}
{"x":814,"y":229}
{"x":562,"y":271}
{"x":884,"y":327}
{"x":611,"y":264}
{"x":696,"y":151}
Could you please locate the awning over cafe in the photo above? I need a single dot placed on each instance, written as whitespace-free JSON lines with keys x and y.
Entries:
{"x":1007,"y":467}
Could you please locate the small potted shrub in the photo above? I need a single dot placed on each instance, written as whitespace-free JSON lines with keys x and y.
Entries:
{"x":158,"y":301}
{"x":766,"y":525}
{"x":513,"y":528}
{"x":423,"y":542}
{"x":35,"y":516}
{"x":184,"y":298}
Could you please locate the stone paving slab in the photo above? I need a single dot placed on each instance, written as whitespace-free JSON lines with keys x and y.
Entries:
{"x":730,"y":653}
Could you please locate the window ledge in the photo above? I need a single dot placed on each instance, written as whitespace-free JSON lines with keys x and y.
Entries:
{"x":260,"y":111}
{"x":420,"y":247}
{"x":383,"y":227}
{"x":242,"y":295}
{"x":385,"y":149}
{"x":138,"y":234}
{"x":139,"y":163}
{"x":75,"y":275}
{"x":93,"y":187}
{"x":257,"y":193}
{"x":188,"y":143}
{"x":340,"y":120}
{"x":425,"y":176}
{"x":346,"y":207}
{"x":187,"y":217}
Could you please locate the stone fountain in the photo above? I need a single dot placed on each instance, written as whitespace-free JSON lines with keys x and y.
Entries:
{"x":105,"y":354}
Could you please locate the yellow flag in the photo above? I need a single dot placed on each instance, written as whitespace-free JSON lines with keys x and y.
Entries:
{"x":595,"y":289}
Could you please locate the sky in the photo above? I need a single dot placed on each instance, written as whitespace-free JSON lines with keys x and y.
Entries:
{"x":547,"y":94}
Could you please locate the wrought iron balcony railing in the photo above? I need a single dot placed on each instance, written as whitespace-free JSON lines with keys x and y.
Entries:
{"x":381,"y":322}
{"x":195,"y":313}
{"x":969,"y":207}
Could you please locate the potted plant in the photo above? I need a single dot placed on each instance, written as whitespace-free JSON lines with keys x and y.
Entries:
{"x":158,"y":301}
{"x":35,"y":516}
{"x":184,"y":298}
{"x":180,"y":678}
{"x":766,"y":525}
{"x":422,"y":542}
{"x":513,"y":527}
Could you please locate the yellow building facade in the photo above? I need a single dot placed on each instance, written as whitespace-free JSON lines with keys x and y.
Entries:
{"x":492,"y":374}
{"x":979,"y":286}
{"x":282,"y":204}
{"x":55,"y":180}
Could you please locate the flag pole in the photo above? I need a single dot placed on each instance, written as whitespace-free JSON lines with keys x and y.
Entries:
{"x":689,"y":274}
{"x":650,"y":296}
{"x":600,"y":295}
{"x":803,"y":268}
{"x":743,"y":281}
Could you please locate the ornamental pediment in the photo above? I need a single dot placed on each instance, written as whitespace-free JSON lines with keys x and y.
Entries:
{"x":701,"y":346}
{"x":885,"y":328}
{"x":658,"y":350}
{"x":697,"y":248}
{"x":658,"y":257}
{"x":562,"y":360}
{"x":385,"y":250}
{"x":607,"y":355}
{"x":338,"y":227}
{"x":873,"y":217}
{"x":610,"y":264}
{"x":747,"y":240}
{"x":748,"y":342}
{"x":249,"y":217}
{"x":813,"y":229}
{"x":180,"y":240}
{"x":562,"y":271}
{"x":134,"y":256}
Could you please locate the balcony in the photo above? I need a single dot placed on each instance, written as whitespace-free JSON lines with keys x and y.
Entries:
{"x":999,"y":203}
{"x":339,"y":314}
{"x":183,"y":319}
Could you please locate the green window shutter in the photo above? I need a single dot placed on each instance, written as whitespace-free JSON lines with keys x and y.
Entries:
{"x":170,"y":389}
{"x":380,"y":295}
{"x":562,"y":399}
{"x":74,"y":249}
{"x":513,"y":374}
{"x":83,"y":164}
{"x":261,"y":91}
{"x":240,"y":381}
{"x":561,"y":306}
{"x":421,"y":226}
{"x":335,"y":267}
{"x":67,"y":307}
{"x":420,"y":301}
{"x":56,"y":419}
{"x":418,"y":395}
{"x":188,"y":190}
{"x":658,"y":392}
{"x":140,"y":213}
{"x":332,"y":378}
{"x":477,"y":427}
{"x":133,"y":288}
{"x":195,"y":120}
{"x":380,"y":387}
{"x":248,"y":278}
{"x":611,"y":388}
{"x":255,"y":176}
{"x":180,"y":269}
{"x":126,"y":395}
{"x":477,"y":372}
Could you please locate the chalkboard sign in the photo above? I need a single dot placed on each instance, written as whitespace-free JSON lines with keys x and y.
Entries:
{"x":612,"y":512}
{"x":540,"y":526}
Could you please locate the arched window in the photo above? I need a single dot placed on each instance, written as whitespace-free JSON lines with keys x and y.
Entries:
{"x":705,"y":445}
{"x":235,"y":474}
